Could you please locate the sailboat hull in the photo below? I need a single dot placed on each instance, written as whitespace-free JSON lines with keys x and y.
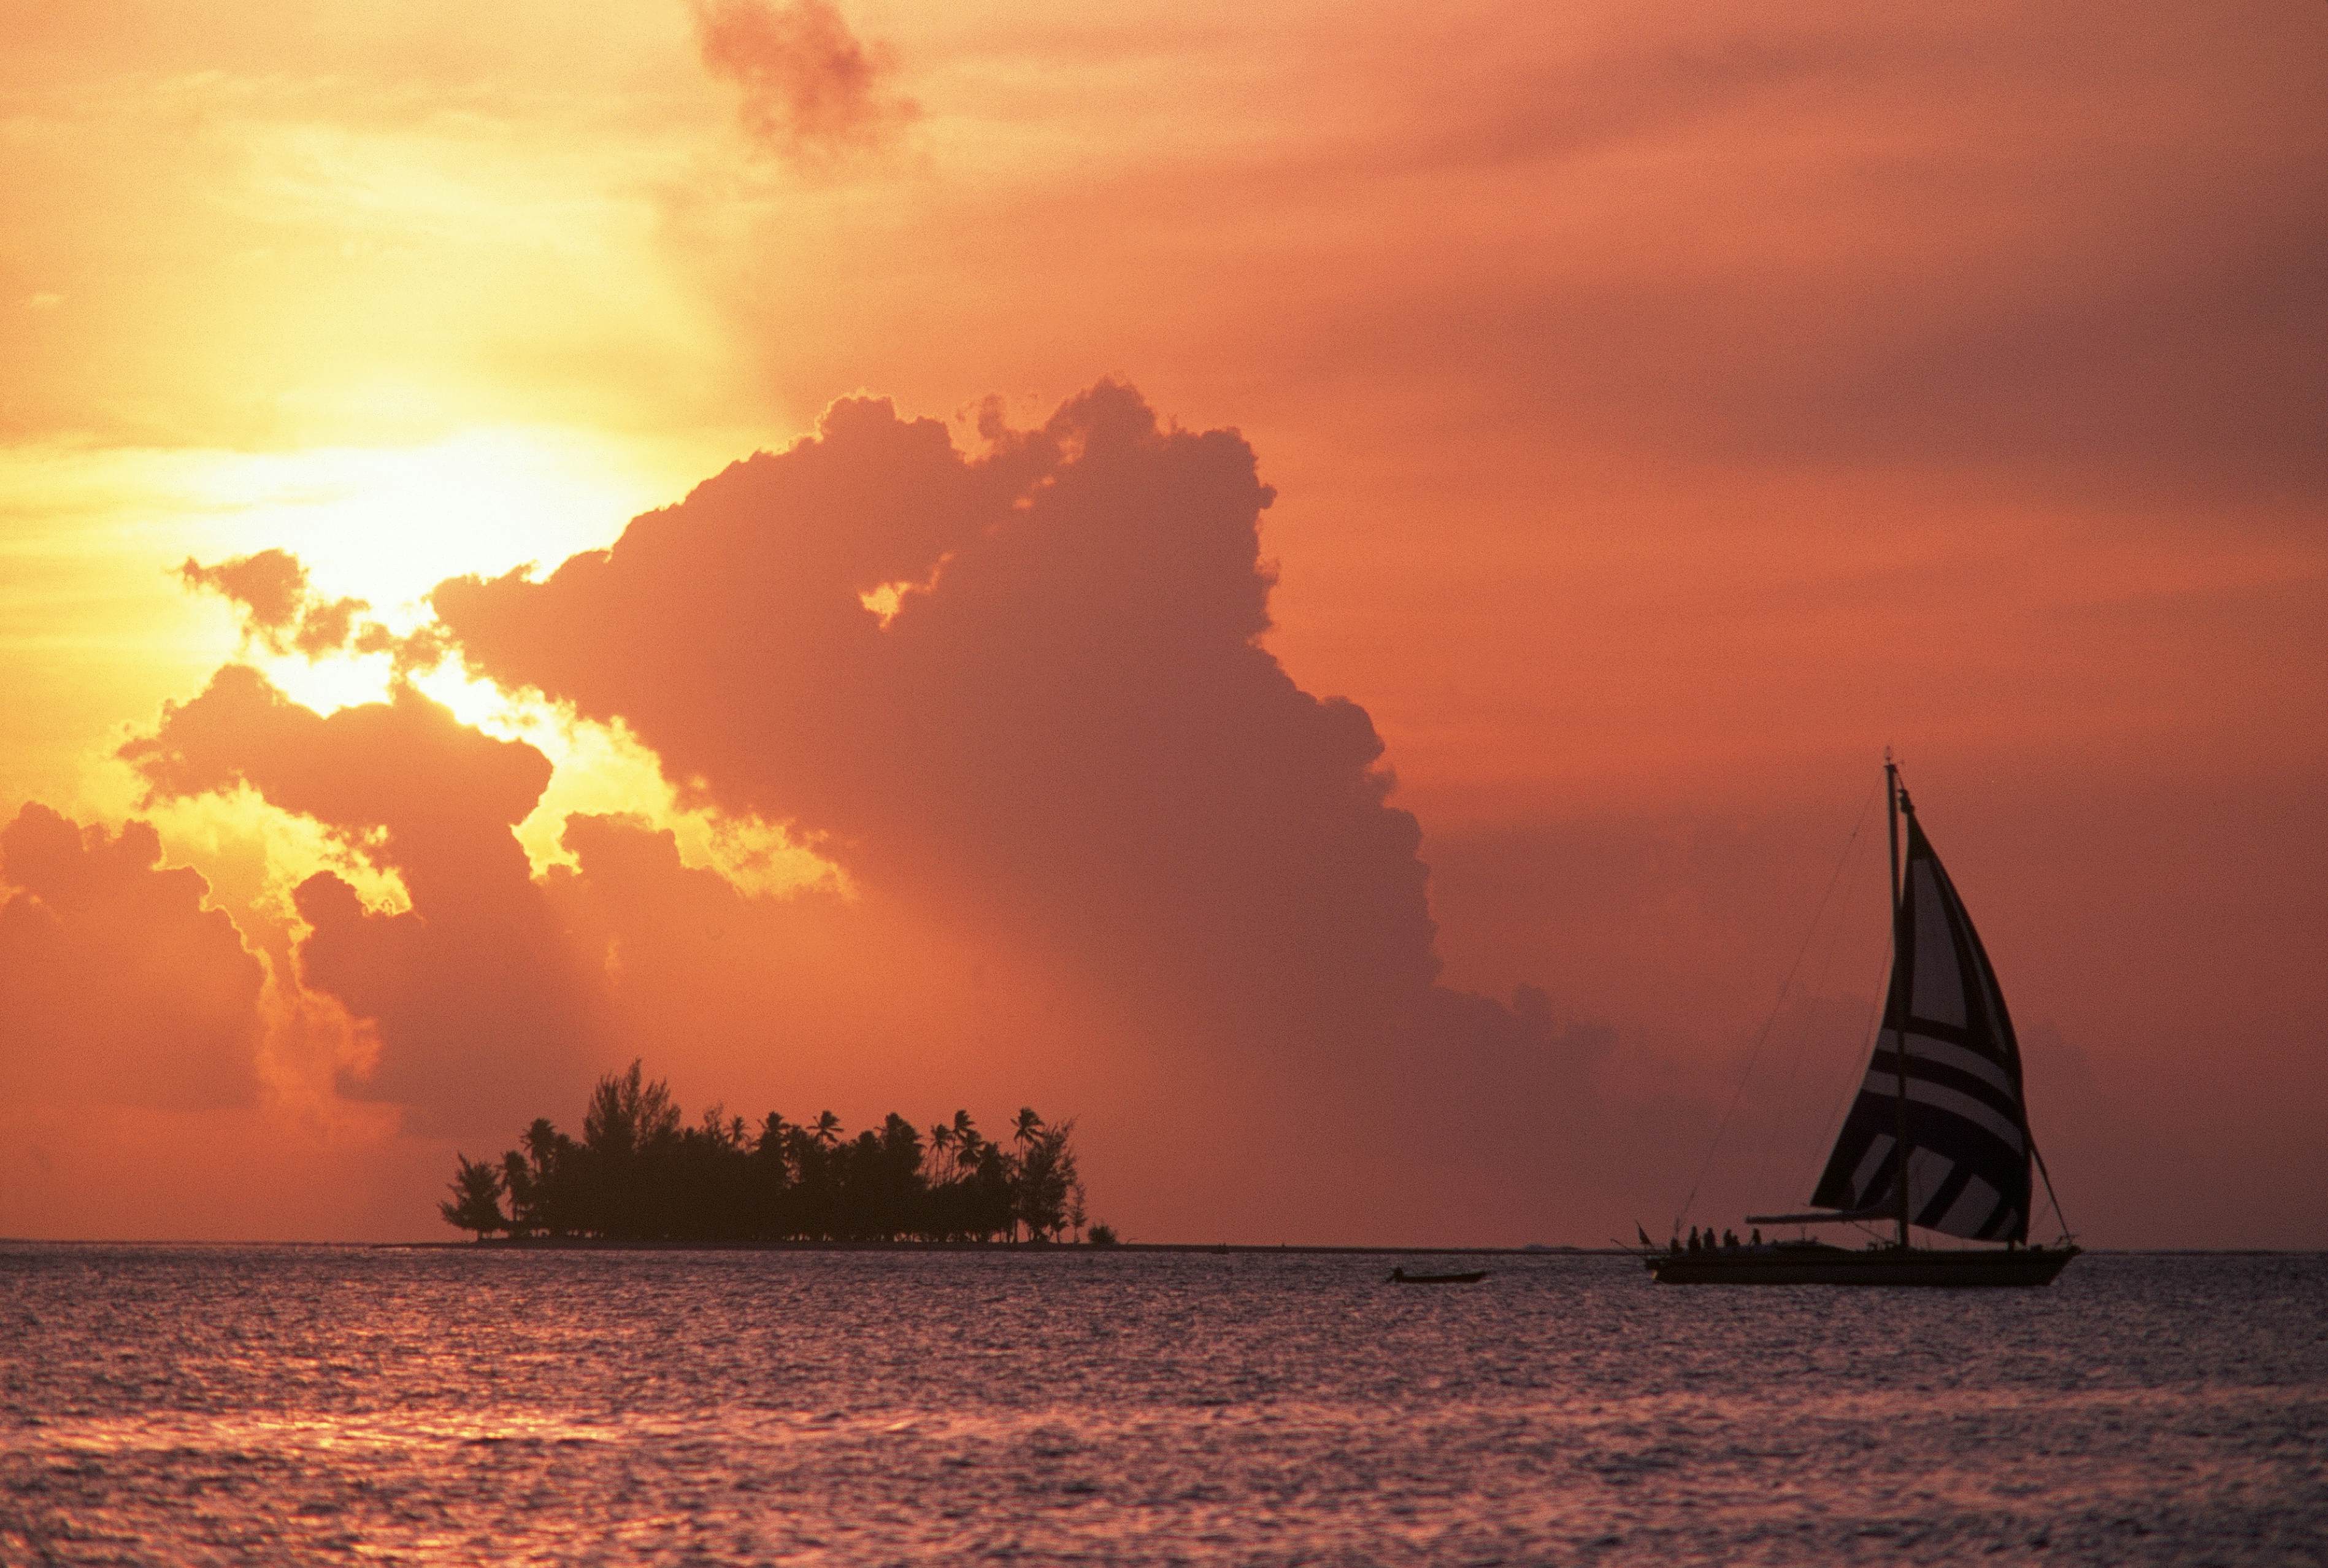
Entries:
{"x":1825,"y":1265}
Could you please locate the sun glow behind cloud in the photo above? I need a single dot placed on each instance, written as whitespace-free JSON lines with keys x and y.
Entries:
{"x":386,"y":524}
{"x":596,"y":768}
{"x":604,"y":769}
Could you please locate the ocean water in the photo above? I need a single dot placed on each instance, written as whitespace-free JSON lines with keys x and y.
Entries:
{"x":262,"y":1406}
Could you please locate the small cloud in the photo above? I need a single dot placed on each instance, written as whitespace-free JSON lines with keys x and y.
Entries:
{"x":812,"y":92}
{"x":43,"y":301}
{"x":269,"y":588}
{"x":884,"y":601}
{"x":281,"y":612}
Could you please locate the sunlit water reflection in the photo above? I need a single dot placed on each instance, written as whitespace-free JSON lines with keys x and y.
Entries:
{"x":237,"y":1405}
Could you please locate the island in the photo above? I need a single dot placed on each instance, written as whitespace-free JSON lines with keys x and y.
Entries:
{"x":642,"y":1173}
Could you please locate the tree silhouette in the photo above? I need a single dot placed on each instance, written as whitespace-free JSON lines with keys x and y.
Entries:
{"x":966,"y":1143}
{"x":544,"y":1203}
{"x":627,"y":1116}
{"x":641,"y":1172}
{"x":992,"y":1207}
{"x":1049,"y":1191}
{"x":476,"y":1201}
{"x":771,"y":1178}
{"x":517,"y":1181}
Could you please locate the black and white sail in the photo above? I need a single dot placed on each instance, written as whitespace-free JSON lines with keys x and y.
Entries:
{"x":1948,"y":1043}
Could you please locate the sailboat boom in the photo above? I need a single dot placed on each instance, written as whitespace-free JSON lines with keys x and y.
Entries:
{"x":1827,"y":1216}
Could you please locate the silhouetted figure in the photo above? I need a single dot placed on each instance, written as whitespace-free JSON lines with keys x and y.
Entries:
{"x":1729,"y":1241}
{"x":1757,"y":1236}
{"x":1695,"y":1245}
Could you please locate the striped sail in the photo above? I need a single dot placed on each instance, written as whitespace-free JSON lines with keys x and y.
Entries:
{"x":1967,"y":1127}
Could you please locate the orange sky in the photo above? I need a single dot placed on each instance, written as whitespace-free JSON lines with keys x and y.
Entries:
{"x":1659,"y":412}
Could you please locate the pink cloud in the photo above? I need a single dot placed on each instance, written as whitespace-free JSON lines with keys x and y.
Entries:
{"x":480,"y":1007}
{"x":810,"y":90}
{"x":1072,"y":739}
{"x":116,"y":982}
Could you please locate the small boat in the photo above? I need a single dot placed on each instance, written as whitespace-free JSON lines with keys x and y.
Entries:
{"x":1399,"y":1276}
{"x":1938,"y":1136}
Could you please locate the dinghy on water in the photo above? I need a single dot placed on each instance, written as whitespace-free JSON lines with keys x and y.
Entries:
{"x":1399,"y":1276}
{"x":1938,"y":1137}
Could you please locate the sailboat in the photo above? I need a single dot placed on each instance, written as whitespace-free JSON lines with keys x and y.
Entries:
{"x":1938,"y":1138}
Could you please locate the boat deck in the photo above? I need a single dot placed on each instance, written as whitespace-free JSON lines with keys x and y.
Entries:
{"x":1816,"y":1263}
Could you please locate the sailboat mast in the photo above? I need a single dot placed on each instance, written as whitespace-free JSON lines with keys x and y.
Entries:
{"x":1900,"y":1042}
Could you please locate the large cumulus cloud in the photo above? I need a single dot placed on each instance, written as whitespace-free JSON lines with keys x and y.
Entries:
{"x":1074,"y":725}
{"x":117,"y":983}
{"x":1097,"y":848}
{"x":1056,"y":720}
{"x":481,"y":1007}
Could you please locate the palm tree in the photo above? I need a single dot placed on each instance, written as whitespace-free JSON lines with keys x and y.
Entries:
{"x":827,"y":1130}
{"x":773,"y":1176}
{"x":1047,"y":1190}
{"x":476,"y":1201}
{"x":966,"y":1142}
{"x":525,"y":1203}
{"x":941,"y":1141}
{"x":1027,"y":1131}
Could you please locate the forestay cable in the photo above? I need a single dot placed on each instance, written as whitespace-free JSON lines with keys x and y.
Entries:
{"x":1738,"y":1093}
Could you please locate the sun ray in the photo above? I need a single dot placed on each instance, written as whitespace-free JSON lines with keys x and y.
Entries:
{"x":604,"y":769}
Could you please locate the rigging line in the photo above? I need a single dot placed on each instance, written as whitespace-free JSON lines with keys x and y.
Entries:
{"x":2051,"y":1196}
{"x":1795,"y":1062}
{"x":1738,"y":1093}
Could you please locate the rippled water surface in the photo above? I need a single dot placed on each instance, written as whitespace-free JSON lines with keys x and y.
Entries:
{"x":252,"y":1404}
